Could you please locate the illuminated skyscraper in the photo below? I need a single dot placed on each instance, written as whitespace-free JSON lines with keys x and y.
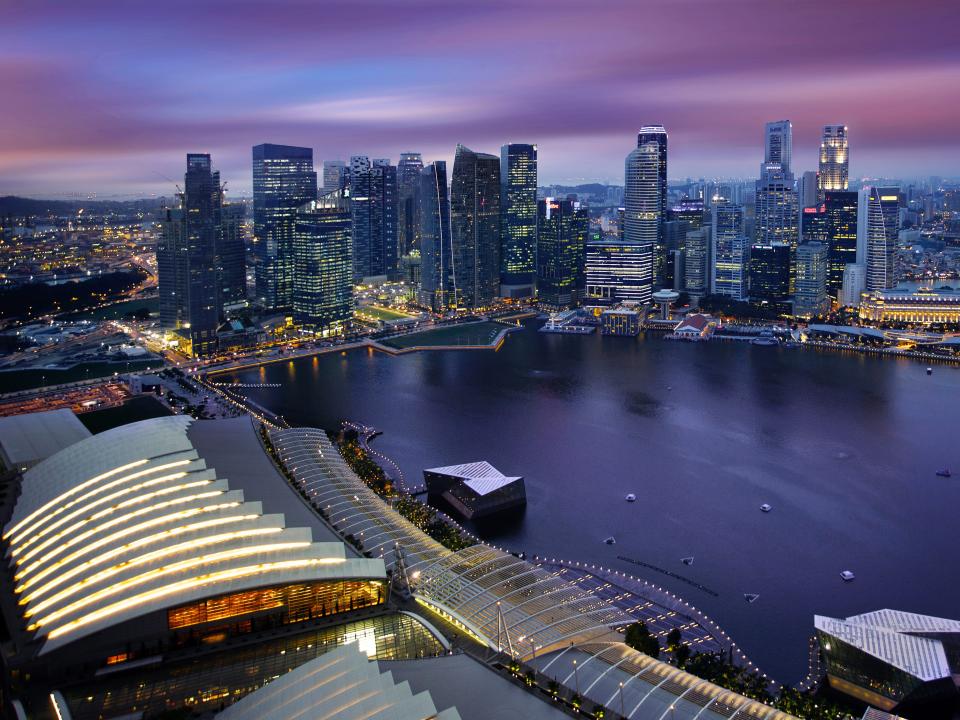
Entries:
{"x":475,"y":225}
{"x":813,"y":224}
{"x":731,"y":251}
{"x":336,"y":175}
{"x":518,"y":225}
{"x":813,"y":263}
{"x":188,"y":263}
{"x":373,"y":207}
{"x":776,"y":207}
{"x":841,"y":210}
{"x":645,"y":201}
{"x":834,"y":159}
{"x":408,"y":184}
{"x":877,"y":230}
{"x":778,"y":145}
{"x":438,"y":279}
{"x":562,"y":238}
{"x":283,"y":180}
{"x":697,"y":264}
{"x":323,"y":268}
{"x":617,"y":272}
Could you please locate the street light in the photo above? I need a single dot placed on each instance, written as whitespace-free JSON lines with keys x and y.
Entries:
{"x":576,"y":676}
{"x":622,"y":714}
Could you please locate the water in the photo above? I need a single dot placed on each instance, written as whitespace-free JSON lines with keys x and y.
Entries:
{"x":843,"y":446}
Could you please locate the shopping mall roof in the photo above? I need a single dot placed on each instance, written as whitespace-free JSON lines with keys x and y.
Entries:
{"x":907,"y":641}
{"x":342,"y":684}
{"x":28,"y":439}
{"x":481,"y":477}
{"x":133,"y":520}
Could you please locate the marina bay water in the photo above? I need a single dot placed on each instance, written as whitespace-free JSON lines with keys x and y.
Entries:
{"x":843,"y":446}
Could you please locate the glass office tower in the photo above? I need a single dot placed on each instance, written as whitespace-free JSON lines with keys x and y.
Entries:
{"x":283,"y":180}
{"x":323,"y":266}
{"x":438,"y":278}
{"x":834,"y":159}
{"x":408,"y":185}
{"x":475,"y":226}
{"x":731,"y":251}
{"x":841,"y":209}
{"x":877,"y":232}
{"x":518,"y":224}
{"x":562,"y":238}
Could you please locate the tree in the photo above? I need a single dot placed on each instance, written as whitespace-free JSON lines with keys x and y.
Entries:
{"x":639,"y":638}
{"x":673,"y":639}
{"x":681,"y":654}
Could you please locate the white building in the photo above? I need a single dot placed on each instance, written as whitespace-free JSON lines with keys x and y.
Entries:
{"x":854,"y":284}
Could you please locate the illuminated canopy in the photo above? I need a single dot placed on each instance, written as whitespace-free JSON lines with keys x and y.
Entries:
{"x":132,"y":521}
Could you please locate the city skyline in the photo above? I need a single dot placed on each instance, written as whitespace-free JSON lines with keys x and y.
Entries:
{"x":482,"y":76}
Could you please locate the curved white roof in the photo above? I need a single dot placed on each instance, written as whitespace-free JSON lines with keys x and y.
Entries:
{"x":132,"y":520}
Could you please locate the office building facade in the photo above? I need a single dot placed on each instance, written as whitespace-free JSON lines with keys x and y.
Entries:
{"x":731,"y":251}
{"x":877,"y":231}
{"x":408,"y":204}
{"x":617,"y":272}
{"x":644,"y":206}
{"x":770,"y":273}
{"x":475,"y":226}
{"x":834,"y":159}
{"x":438,"y":279}
{"x":283,"y":180}
{"x":697,"y":261}
{"x":813,"y":266}
{"x":336,"y":175}
{"x":561,"y":258}
{"x":778,"y":144}
{"x":841,"y":207}
{"x":518,"y":227}
{"x":776,"y":207}
{"x":323,"y":266}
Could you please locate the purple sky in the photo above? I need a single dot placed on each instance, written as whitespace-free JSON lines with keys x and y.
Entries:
{"x":108,"y":97}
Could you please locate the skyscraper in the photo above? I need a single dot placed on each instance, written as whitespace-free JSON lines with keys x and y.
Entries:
{"x":283,"y":180}
{"x":770,"y":273}
{"x":813,"y":224}
{"x":475,"y":225}
{"x":813,"y":263}
{"x":373,"y":208}
{"x":361,"y":212}
{"x":438,"y":279}
{"x":336,"y":175}
{"x":408,"y":185}
{"x":841,"y":209}
{"x":877,"y":231}
{"x":562,"y":227}
{"x":808,"y":193}
{"x":834,"y":159}
{"x":657,"y":135}
{"x":187,"y":259}
{"x":518,"y":226}
{"x":776,"y":207}
{"x":231,"y":255}
{"x":778,"y":144}
{"x":698,"y":265}
{"x":323,"y":268}
{"x":644,"y":204}
{"x":731,"y":251}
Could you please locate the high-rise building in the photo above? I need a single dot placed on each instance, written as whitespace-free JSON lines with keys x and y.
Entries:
{"x":877,"y":230}
{"x":323,"y":267}
{"x":283,"y":180}
{"x":187,"y":261}
{"x":438,"y":278}
{"x":854,"y":284}
{"x":813,"y":224}
{"x":231,"y":254}
{"x":475,"y":226}
{"x":384,"y":249}
{"x":778,"y":144}
{"x":617,"y":272}
{"x":731,"y":251}
{"x":361,"y":212}
{"x":336,"y":175}
{"x":657,"y":135}
{"x":562,"y":227}
{"x":813,"y":264}
{"x":408,"y":185}
{"x":776,"y":207}
{"x":841,"y":209}
{"x":518,"y":225}
{"x":770,"y":273}
{"x":697,"y":262}
{"x":808,"y":193}
{"x":834,"y":159}
{"x":644,"y":202}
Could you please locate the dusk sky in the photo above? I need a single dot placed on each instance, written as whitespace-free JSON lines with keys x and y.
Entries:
{"x":108,"y":97}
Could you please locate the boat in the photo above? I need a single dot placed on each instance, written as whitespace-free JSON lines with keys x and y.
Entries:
{"x":630,"y":497}
{"x":610,"y":540}
{"x":750,"y":597}
{"x":847,"y":576}
{"x":687,"y":560}
{"x":765,"y":338}
{"x":929,"y":371}
{"x":766,"y":507}
{"x":944,"y":473}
